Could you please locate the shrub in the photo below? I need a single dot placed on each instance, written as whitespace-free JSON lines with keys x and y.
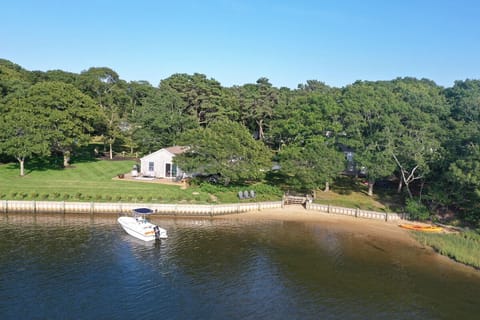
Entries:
{"x":78,"y":195}
{"x":34,"y":195}
{"x":416,"y":210}
{"x":268,"y":189}
{"x":212,"y":188}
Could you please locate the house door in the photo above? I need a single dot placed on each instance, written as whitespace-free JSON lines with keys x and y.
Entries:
{"x":168,"y":169}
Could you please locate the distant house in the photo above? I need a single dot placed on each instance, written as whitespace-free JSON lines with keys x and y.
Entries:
{"x":159,"y":164}
{"x":350,"y":162}
{"x":351,"y":166}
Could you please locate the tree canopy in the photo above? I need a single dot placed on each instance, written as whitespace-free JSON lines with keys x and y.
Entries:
{"x":227,"y":149}
{"x":421,"y":136}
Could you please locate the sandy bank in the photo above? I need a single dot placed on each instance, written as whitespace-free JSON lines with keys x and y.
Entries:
{"x":367,"y":227}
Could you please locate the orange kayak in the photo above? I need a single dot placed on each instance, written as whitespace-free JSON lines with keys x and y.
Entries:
{"x":417,"y":227}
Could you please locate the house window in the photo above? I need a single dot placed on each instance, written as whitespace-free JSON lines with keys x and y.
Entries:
{"x":174,"y":170}
{"x":168,"y":169}
{"x":151,"y":166}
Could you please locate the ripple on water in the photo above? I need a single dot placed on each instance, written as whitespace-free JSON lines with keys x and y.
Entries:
{"x":218,"y":269}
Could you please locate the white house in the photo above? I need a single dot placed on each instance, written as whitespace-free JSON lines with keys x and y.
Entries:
{"x":159,"y":164}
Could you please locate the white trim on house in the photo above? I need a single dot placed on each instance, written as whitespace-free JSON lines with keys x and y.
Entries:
{"x":159,"y":164}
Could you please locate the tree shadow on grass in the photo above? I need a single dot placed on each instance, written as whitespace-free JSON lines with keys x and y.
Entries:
{"x":345,"y":185}
{"x":54,"y":162}
{"x":386,"y":192}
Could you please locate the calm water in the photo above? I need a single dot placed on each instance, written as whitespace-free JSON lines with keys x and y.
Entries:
{"x":76,"y":267}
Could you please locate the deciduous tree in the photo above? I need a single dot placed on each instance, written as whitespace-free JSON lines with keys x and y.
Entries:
{"x":23,"y":134}
{"x":69,"y":113}
{"x":225,"y":148}
{"x":312,"y":164}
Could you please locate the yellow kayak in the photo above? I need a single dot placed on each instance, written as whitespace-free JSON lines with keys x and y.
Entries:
{"x":417,"y":227}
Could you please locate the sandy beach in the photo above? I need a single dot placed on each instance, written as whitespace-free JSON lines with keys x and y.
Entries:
{"x":368,"y":227}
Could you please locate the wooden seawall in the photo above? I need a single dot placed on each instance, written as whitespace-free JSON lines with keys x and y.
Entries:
{"x":12,"y":206}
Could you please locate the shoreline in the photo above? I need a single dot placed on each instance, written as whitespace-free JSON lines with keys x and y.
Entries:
{"x":363,"y":228}
{"x":372,"y":229}
{"x":368,"y":227}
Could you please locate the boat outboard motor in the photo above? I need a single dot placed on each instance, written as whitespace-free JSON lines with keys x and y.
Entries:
{"x":157,"y":232}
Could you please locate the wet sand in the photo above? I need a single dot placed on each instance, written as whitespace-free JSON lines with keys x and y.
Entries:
{"x":367,"y":227}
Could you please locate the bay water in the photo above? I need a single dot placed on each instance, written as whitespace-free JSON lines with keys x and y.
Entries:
{"x":87,"y":267}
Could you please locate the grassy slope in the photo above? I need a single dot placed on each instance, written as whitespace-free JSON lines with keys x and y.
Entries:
{"x":350,"y":193}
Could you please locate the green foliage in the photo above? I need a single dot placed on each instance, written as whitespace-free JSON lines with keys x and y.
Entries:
{"x":312,"y":165}
{"x":160,"y":120}
{"x":201,"y":98}
{"x":309,"y":114}
{"x":416,"y":210}
{"x":213,"y":188}
{"x":227,"y":149}
{"x":256,"y":105}
{"x":424,"y":135}
{"x":66,"y":115}
{"x":462,"y":247}
{"x":267,"y":190}
{"x":464,"y":175}
{"x":23,"y":134}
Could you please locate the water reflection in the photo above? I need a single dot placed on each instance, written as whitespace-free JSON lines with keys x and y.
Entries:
{"x":88,"y":267}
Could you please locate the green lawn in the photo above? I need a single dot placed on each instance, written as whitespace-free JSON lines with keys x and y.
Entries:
{"x":89,"y":181}
{"x":93,"y":180}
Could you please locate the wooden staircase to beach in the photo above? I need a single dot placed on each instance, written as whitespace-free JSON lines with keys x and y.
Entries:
{"x":287,"y":199}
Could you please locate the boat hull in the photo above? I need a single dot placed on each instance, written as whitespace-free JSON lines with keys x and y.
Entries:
{"x":141,"y":229}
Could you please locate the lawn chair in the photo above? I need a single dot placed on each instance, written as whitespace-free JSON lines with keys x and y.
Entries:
{"x":240,"y":195}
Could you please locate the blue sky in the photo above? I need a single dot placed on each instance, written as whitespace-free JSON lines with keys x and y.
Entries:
{"x":239,"y":41}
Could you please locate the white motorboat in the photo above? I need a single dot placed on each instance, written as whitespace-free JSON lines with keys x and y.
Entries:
{"x":138,"y":226}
